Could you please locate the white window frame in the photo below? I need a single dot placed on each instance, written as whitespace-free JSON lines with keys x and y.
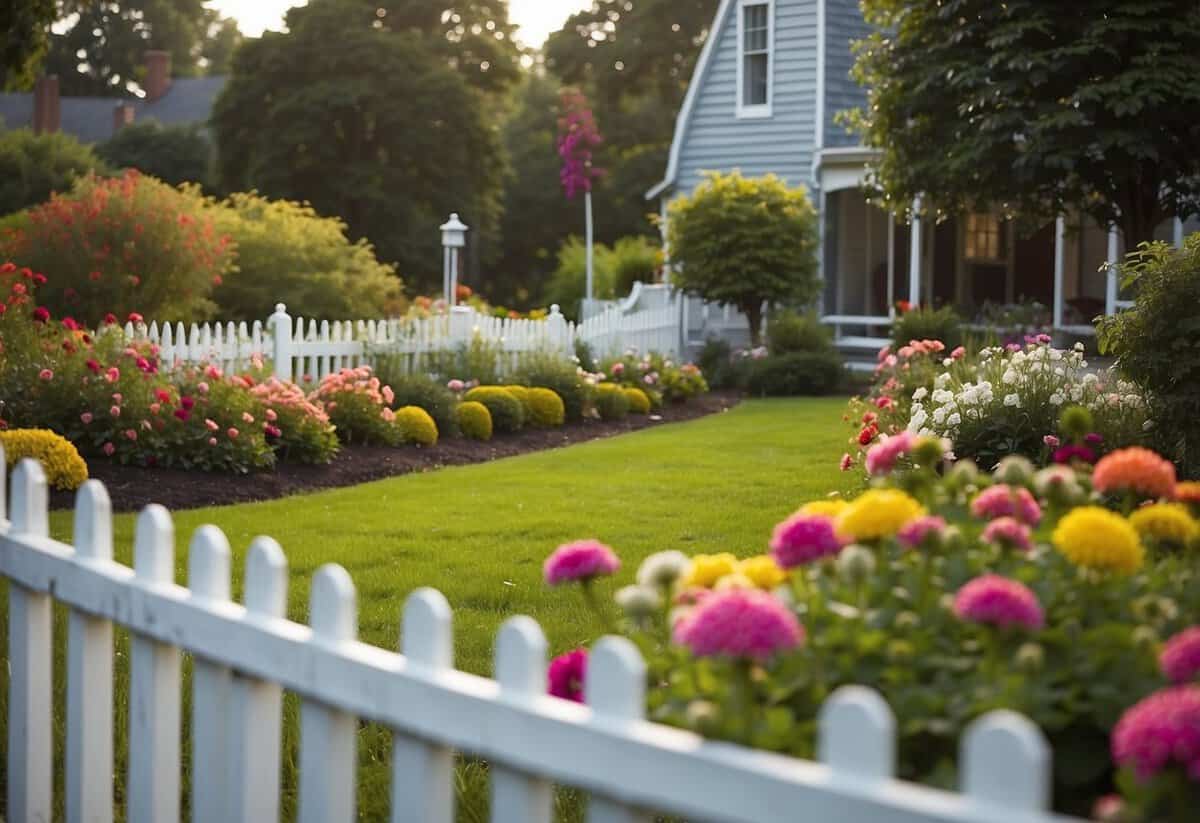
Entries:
{"x":759,"y":110}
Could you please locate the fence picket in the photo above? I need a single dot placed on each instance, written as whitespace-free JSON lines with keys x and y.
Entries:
{"x":857,"y":734}
{"x":1006,"y":763}
{"x":256,"y":706}
{"x":521,"y":673}
{"x":616,"y":690}
{"x":90,"y":674}
{"x":423,"y":772}
{"x":154,"y":683}
{"x":328,"y":746}
{"x":30,"y":621}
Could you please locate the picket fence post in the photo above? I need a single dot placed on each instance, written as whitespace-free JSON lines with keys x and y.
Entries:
{"x":1006,"y":762}
{"x":281,"y":330}
{"x":208,"y":579}
{"x":521,"y":673}
{"x":615,"y":687}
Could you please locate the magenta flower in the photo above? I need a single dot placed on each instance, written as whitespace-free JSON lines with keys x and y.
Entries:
{"x":1070,"y":453}
{"x":1009,"y":533}
{"x":1007,"y":501}
{"x":882,"y":457}
{"x":742,"y":623}
{"x":998,"y":601}
{"x":580,"y":562}
{"x":1160,"y":731}
{"x":804,"y":538}
{"x":1051,"y":441}
{"x":921,"y":531}
{"x":1180,"y":658}
{"x":566,"y":675}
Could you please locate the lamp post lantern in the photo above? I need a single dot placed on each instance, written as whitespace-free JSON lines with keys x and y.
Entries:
{"x":454,"y":238}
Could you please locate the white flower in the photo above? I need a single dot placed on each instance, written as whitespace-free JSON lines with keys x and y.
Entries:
{"x":939,"y":415}
{"x":1078,"y":347}
{"x":1090,"y":378}
{"x":921,"y":393}
{"x":947,"y":362}
{"x":942,"y":396}
{"x":954,"y":420}
{"x":1012,"y":400}
{"x":663,"y":568}
{"x":918,"y":420}
{"x":638,"y":601}
{"x":1057,"y":399}
{"x":941,"y":381}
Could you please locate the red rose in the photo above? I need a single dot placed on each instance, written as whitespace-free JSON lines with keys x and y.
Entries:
{"x":867,"y":435}
{"x":93,"y":366}
{"x":41,"y":314}
{"x":39,"y":279}
{"x":183,"y":414}
{"x":187,"y":402}
{"x":134,"y":317}
{"x":69,"y":324}
{"x":110,"y":319}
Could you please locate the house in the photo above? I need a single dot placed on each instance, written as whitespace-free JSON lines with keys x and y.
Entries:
{"x":770,"y":80}
{"x":178,"y":101}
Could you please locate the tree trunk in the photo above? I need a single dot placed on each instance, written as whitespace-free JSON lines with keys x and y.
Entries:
{"x":753,"y":312}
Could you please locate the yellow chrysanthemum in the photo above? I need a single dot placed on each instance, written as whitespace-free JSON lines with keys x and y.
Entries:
{"x":877,"y":513}
{"x":1099,"y":539}
{"x":60,"y":460}
{"x":830,"y":507}
{"x":707,"y":569}
{"x":762,"y":571}
{"x":1169,"y":522}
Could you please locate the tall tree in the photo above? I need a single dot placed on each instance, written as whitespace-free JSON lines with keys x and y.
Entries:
{"x":365,"y":123}
{"x":24,"y":36}
{"x":1037,"y":107}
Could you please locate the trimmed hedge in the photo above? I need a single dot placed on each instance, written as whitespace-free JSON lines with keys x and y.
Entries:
{"x":545,"y":408}
{"x":417,"y":425}
{"x":508,"y":415}
{"x":611,"y":402}
{"x":800,"y":373}
{"x":639,"y":401}
{"x":474,"y":420}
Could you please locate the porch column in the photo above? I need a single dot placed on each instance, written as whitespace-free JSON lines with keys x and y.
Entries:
{"x":914,"y":263}
{"x":891,"y":265}
{"x":1060,"y":231}
{"x":1110,"y":291}
{"x":666,"y":245}
{"x":1178,"y":236}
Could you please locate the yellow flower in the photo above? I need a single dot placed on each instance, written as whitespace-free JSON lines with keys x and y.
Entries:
{"x":1099,"y":539}
{"x":737,"y":580}
{"x":762,"y":571}
{"x":1169,"y":522}
{"x":60,"y":460}
{"x":877,"y":513}
{"x":707,"y":569}
{"x":830,"y":507}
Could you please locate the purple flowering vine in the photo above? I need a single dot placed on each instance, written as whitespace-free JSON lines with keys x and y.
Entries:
{"x":578,"y":137}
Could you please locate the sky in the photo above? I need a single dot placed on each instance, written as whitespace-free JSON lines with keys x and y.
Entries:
{"x":536,"y":18}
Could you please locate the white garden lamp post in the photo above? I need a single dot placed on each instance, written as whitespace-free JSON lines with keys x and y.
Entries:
{"x":454,"y":237}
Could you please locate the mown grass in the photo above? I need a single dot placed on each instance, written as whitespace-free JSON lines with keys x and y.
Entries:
{"x":480,"y":533}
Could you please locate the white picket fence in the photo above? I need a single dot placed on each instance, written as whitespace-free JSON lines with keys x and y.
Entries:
{"x":300,"y":347}
{"x":244,"y":655}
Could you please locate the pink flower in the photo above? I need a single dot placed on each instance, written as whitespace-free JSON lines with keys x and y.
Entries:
{"x":921,"y":531}
{"x":115,"y":411}
{"x":1072,"y":452}
{"x":1007,"y":501}
{"x":1051,"y":441}
{"x":108,"y":449}
{"x":130,"y":434}
{"x":87,"y":418}
{"x":155,"y":408}
{"x":232,"y":432}
{"x":272,"y":416}
{"x":455,"y":386}
{"x":580,"y":561}
{"x":247,"y":417}
{"x":46,"y":374}
{"x":212,"y":372}
{"x":618,"y":369}
{"x":1108,"y":808}
{"x":1160,"y":731}
{"x":1180,"y":658}
{"x":1000,"y":602}
{"x":212,"y":441}
{"x":566,"y":675}
{"x":742,"y":623}
{"x":882,"y":457}
{"x":958,"y":354}
{"x":117,"y":397}
{"x":211,"y":424}
{"x":112,"y":374}
{"x":847,"y":462}
{"x":1009,"y":533}
{"x":804,"y":538}
{"x":202,"y":387}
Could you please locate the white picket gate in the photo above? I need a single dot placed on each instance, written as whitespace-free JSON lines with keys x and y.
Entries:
{"x":245,"y":654}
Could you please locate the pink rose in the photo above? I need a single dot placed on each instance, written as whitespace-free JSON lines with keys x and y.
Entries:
{"x":202,"y":388}
{"x":115,"y":411}
{"x":108,"y":449}
{"x":212,"y":441}
{"x":233,"y":433}
{"x":112,"y":374}
{"x":46,"y":374}
{"x":247,"y":417}
{"x":86,"y":417}
{"x":130,"y":434}
{"x":211,"y":424}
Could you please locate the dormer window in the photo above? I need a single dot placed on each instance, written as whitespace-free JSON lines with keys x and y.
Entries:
{"x":756,"y":36}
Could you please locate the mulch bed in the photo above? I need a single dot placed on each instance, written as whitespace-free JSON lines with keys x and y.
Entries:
{"x":132,"y":487}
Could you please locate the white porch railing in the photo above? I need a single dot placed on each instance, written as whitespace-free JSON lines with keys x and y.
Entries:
{"x":245,"y":654}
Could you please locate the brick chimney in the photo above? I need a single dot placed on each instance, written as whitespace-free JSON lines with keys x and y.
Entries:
{"x":158,"y":74}
{"x":47,"y":117}
{"x":123,"y":115}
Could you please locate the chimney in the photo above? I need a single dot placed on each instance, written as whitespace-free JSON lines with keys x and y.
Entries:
{"x":122,"y":116}
{"x":158,"y":74}
{"x":47,"y":117}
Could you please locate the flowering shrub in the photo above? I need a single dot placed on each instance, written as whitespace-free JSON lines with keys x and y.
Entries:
{"x":656,"y":375}
{"x":953,"y":592}
{"x":295,"y":426}
{"x":358,"y":405}
{"x":64,"y":467}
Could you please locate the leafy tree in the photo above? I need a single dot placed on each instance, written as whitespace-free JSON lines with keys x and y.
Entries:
{"x":745,"y":242}
{"x":24,"y":38}
{"x":221,"y":41}
{"x":366,"y":124}
{"x":1038,"y":107}
{"x":567,"y":285}
{"x":33,"y":166}
{"x":174,"y":154}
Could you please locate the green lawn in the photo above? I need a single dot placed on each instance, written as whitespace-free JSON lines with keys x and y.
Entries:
{"x":480,"y":533}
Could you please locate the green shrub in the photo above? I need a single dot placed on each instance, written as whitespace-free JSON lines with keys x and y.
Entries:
{"x":474,"y":420}
{"x":1157,"y":344}
{"x":554,"y":372}
{"x":129,"y":244}
{"x":634,"y":259}
{"x":611,"y":402}
{"x":173,"y":154}
{"x":679,"y":384}
{"x":33,"y":166}
{"x":477,"y":361}
{"x":508,"y":415}
{"x":801,"y":373}
{"x":287,"y":253}
{"x":639,"y":401}
{"x":789,"y":332}
{"x":924,"y":323}
{"x":422,"y":391}
{"x":545,"y":408}
{"x":722,"y":367}
{"x":568,"y":284}
{"x":522,"y":395}
{"x":418,"y":427}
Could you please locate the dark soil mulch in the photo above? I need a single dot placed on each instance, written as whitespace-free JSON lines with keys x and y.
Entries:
{"x":132,"y":487}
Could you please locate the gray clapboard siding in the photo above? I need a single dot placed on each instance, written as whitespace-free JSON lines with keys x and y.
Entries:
{"x":844,"y":24}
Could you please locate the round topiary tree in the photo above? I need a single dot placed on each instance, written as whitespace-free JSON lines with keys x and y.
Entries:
{"x":745,"y":242}
{"x":508,"y":415}
{"x":474,"y":420}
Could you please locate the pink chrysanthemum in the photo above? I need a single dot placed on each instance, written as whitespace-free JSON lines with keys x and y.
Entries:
{"x":566,"y":675}
{"x":1160,"y":731}
{"x":1000,"y":602}
{"x":580,"y":561}
{"x":743,"y":623}
{"x":1180,"y":658}
{"x":882,"y":457}
{"x":804,"y":538}
{"x":1009,"y":533}
{"x":1007,"y":501}
{"x":920,"y":531}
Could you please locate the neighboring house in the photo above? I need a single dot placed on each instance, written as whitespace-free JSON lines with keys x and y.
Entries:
{"x":171,"y":101}
{"x":770,"y":80}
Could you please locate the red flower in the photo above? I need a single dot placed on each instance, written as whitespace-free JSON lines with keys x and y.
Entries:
{"x":187,"y":402}
{"x":93,"y":366}
{"x":183,"y":414}
{"x":162,"y":395}
{"x":110,"y":319}
{"x":135,"y":318}
{"x":8,"y":268}
{"x":3,"y":308}
{"x":867,"y":434}
{"x":884,"y":402}
{"x":41,"y":314}
{"x":93,"y":276}
{"x":69,"y":324}
{"x":39,"y":279}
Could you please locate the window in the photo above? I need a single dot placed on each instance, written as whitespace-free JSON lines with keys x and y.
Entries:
{"x":755,"y":35}
{"x":984,"y":240}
